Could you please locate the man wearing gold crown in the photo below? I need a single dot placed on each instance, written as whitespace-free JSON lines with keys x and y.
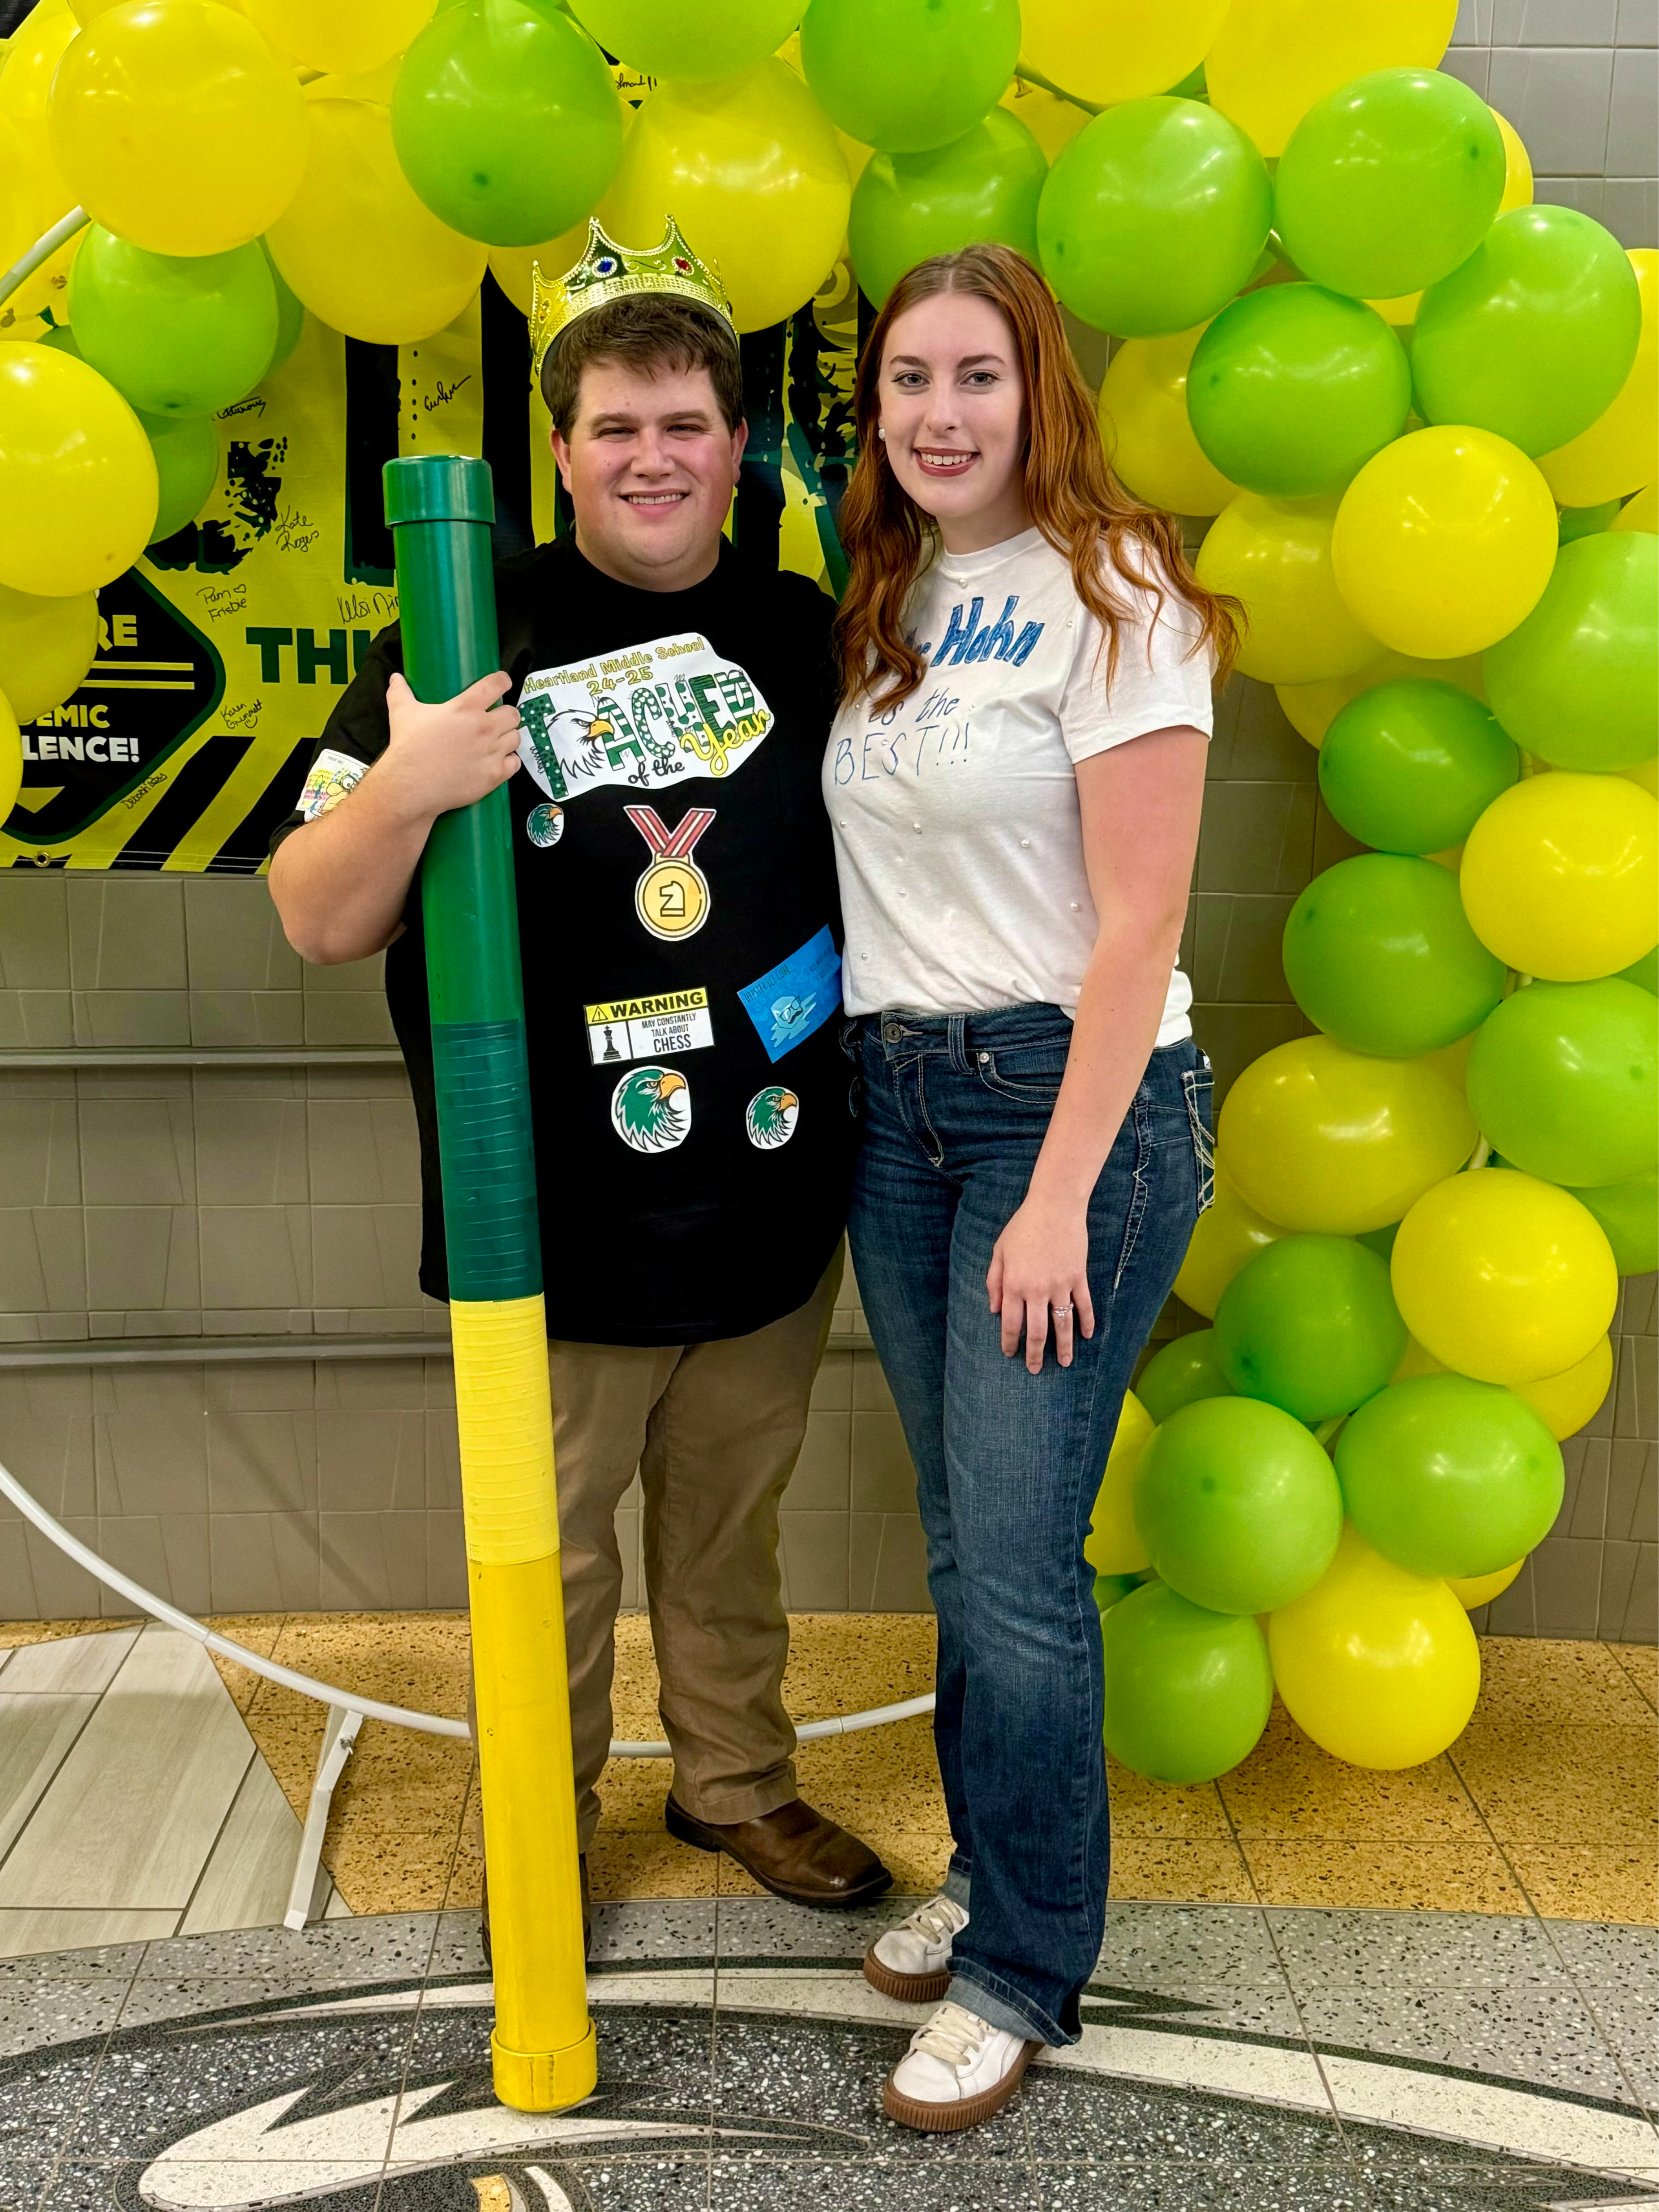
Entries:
{"x":680,"y":934}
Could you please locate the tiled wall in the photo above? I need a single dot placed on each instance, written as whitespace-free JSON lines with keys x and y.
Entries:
{"x":284,"y":1200}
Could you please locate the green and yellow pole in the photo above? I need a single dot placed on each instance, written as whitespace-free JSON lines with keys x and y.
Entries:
{"x":440,"y":509}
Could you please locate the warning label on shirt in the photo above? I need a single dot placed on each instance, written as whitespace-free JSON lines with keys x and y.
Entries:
{"x":648,"y":1028}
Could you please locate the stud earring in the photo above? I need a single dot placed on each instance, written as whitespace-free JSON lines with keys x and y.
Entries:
{"x":881,"y":434}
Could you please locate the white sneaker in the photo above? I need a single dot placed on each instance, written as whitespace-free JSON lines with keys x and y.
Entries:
{"x":912,"y":1962}
{"x":958,"y":2070}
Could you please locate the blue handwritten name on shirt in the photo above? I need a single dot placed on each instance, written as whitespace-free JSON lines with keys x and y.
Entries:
{"x":967,"y":640}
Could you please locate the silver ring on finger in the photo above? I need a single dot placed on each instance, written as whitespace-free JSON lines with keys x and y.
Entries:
{"x":1063,"y":1313}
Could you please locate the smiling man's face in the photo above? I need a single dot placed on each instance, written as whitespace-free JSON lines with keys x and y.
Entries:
{"x":650,"y":466}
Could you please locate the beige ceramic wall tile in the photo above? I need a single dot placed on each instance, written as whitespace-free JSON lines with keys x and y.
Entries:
{"x":233,"y":937}
{"x":256,"y":1255}
{"x":364,"y":1151}
{"x":252,"y":1150}
{"x":40,"y":1152}
{"x":43,"y":1260}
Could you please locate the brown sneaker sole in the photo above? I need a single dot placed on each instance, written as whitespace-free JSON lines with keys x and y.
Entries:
{"x":684,"y":1829}
{"x":951,"y":2119}
{"x":909,"y":1989}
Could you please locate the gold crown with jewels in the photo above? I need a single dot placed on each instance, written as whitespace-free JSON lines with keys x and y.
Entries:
{"x":608,"y":271}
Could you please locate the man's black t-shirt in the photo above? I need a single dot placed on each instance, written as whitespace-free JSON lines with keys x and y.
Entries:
{"x":680,"y":936}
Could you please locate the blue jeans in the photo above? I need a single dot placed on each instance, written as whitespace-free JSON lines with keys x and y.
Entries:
{"x":954,"y":1111}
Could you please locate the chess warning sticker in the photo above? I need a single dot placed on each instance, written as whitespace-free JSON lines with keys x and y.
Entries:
{"x":672,"y":1022}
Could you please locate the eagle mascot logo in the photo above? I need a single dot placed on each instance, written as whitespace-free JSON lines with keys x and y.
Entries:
{"x":651,"y":1109}
{"x":771,"y":1118}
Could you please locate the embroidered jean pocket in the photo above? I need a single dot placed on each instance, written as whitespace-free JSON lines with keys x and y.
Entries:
{"x":1197,"y":1085}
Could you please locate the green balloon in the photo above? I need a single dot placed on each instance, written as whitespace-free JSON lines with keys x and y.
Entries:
{"x":1187,"y":1690}
{"x":909,"y":207}
{"x":1292,"y":389}
{"x":1109,"y":1589}
{"x":1446,"y":1476}
{"x":1563,"y":1080}
{"x":505,"y":122}
{"x":1152,"y":216}
{"x":1533,"y":335}
{"x":290,"y":315}
{"x":1237,"y":1504}
{"x":174,"y":334}
{"x":1644,"y":972}
{"x":1310,"y":1325}
{"x":1628,"y":1214}
{"x":1577,"y":683}
{"x":1389,"y":183}
{"x":1380,"y":1241}
{"x":1379,"y":954}
{"x":1411,"y":767}
{"x":186,"y":449}
{"x":1183,"y":1372}
{"x":903,"y":75}
{"x":1586,"y":521}
{"x":688,"y":39}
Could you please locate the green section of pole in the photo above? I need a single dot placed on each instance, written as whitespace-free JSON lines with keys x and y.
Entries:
{"x":440,"y":508}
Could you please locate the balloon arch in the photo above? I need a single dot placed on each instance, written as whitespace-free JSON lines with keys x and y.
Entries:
{"x":1412,"y":415}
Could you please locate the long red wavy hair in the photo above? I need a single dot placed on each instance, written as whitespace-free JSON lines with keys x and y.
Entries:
{"x":1071,"y":495}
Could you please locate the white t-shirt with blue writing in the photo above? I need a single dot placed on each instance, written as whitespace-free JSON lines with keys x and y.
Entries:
{"x":958,"y":835}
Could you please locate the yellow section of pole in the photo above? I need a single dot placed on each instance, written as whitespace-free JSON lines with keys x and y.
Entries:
{"x":543,"y":2046}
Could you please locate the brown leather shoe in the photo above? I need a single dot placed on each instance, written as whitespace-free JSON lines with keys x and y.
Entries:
{"x":587,"y":1913}
{"x":794,"y":1852}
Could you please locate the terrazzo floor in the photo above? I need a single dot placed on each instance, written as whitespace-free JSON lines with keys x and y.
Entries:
{"x":1320,"y":1989}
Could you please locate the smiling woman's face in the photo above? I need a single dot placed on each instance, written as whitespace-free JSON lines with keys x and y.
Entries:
{"x":953,"y":415}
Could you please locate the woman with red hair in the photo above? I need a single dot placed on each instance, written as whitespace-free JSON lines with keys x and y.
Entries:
{"x":1014,"y":781}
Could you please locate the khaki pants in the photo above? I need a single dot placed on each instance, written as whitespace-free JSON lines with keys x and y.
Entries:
{"x":714,"y":1430}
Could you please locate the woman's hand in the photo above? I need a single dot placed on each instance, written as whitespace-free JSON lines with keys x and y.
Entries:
{"x":1040,"y":1266}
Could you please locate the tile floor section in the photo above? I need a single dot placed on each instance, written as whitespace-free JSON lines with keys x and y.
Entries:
{"x":1319,"y":1990}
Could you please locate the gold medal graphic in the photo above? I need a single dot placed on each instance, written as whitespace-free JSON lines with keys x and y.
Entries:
{"x":673,"y":897}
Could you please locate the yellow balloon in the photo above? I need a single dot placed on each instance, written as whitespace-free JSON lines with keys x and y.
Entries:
{"x":1414,"y":1361}
{"x":176,"y":127}
{"x":11,"y":759}
{"x":1517,"y":166}
{"x":358,"y":248}
{"x":1273,"y":58}
{"x":1379,"y":1666}
{"x":78,"y":475}
{"x":1567,"y":1402}
{"x":1275,"y":555}
{"x":1452,"y":1060}
{"x":1401,"y":311}
{"x":1226,"y":1235}
{"x":46,"y":646}
{"x":1503,"y":1277}
{"x":1444,"y":541}
{"x":751,"y":169}
{"x":325,"y":35}
{"x":1053,"y":122}
{"x":1143,"y":425}
{"x":1320,"y":1138}
{"x":1312,"y":707}
{"x":1117,"y":49}
{"x":1560,"y":875}
{"x":513,"y":266}
{"x":1471,"y":1590}
{"x":1646,"y":774}
{"x":31,"y":62}
{"x":1640,"y":512}
{"x":1619,"y":452}
{"x":1113,"y":1544}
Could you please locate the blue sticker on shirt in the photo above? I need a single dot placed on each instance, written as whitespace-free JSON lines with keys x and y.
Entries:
{"x":797,"y":996}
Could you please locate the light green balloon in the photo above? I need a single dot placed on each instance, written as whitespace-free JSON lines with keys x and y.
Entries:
{"x":1379,"y":953}
{"x":186,"y":449}
{"x":505,"y":122}
{"x":1389,"y":183}
{"x":174,"y":334}
{"x":688,"y":39}
{"x":1237,"y":1504}
{"x":983,"y":188}
{"x":290,"y":316}
{"x":1586,"y":521}
{"x":1446,"y":1476}
{"x":1628,"y":1214}
{"x":1578,"y":682}
{"x":1187,"y":1690}
{"x":1153,"y":216}
{"x":1533,"y":335}
{"x":1186,"y":1369}
{"x":905,"y":75}
{"x":1564,"y":1081}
